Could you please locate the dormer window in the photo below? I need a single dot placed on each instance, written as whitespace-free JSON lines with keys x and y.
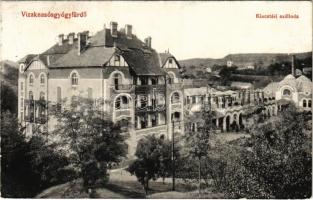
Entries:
{"x":74,"y":79}
{"x":31,"y":79}
{"x":117,"y":58}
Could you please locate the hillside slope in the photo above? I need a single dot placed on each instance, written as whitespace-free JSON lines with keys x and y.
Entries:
{"x":245,"y":59}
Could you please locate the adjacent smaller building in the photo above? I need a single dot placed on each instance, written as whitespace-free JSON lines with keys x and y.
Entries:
{"x":298,"y":90}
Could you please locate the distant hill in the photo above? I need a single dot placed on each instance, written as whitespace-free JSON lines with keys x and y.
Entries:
{"x":262,"y":60}
{"x":9,"y":82}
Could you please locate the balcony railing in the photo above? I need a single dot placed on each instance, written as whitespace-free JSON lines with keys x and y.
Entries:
{"x":151,"y":108}
{"x":39,"y":120}
{"x":175,"y":86}
{"x":148,"y":88}
{"x":122,"y":88}
{"x":122,"y":112}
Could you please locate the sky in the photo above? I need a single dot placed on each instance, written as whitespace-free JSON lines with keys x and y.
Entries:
{"x":186,"y":29}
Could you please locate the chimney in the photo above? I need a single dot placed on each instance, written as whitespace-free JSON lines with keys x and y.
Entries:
{"x":148,"y":41}
{"x":113,"y":29}
{"x":86,"y":35}
{"x":105,"y":32}
{"x":70,"y":38}
{"x":128,"y":29}
{"x":82,"y":41}
{"x":61,"y":38}
{"x":293,"y":65}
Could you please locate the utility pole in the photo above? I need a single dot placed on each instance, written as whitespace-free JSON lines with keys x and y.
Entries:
{"x":173,"y":158}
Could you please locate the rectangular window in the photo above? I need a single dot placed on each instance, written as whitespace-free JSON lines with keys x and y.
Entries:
{"x":22,"y":103}
{"x":193,"y":99}
{"x":22,"y":86}
{"x":170,"y":61}
{"x":59,"y":98}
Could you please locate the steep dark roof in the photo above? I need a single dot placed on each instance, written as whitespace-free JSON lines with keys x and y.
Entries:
{"x":143,"y":63}
{"x":101,"y":47}
{"x":61,"y":49}
{"x":91,"y":57}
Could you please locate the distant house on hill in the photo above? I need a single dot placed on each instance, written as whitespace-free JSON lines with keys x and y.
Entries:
{"x":208,"y":70}
{"x":229,"y":63}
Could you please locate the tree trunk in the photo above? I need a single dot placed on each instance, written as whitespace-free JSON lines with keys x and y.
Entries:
{"x":199,"y":186}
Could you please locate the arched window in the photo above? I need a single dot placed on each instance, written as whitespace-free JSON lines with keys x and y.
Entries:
{"x":74,"y":78}
{"x":309,"y":103}
{"x":31,"y":79}
{"x":286,"y":92}
{"x":304,"y":103}
{"x":175,"y":98}
{"x":117,"y":80}
{"x":31,"y":95}
{"x":170,"y":78}
{"x":121,"y":103}
{"x":42,"y":79}
{"x":42,"y":96}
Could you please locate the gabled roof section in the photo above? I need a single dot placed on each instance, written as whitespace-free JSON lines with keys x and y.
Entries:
{"x":27,"y":59}
{"x":40,"y":58}
{"x":165,"y":56}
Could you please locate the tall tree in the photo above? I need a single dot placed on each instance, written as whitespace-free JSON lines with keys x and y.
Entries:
{"x":153,"y":160}
{"x":91,"y":139}
{"x":282,"y":154}
{"x":197,"y":141}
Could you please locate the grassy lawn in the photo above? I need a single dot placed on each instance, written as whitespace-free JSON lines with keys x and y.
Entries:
{"x":123,"y":185}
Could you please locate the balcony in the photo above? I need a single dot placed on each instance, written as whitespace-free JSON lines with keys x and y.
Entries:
{"x":143,"y":89}
{"x":122,"y":88}
{"x":38,"y":120}
{"x":151,"y":108}
{"x":175,"y":86}
{"x":122,"y":112}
